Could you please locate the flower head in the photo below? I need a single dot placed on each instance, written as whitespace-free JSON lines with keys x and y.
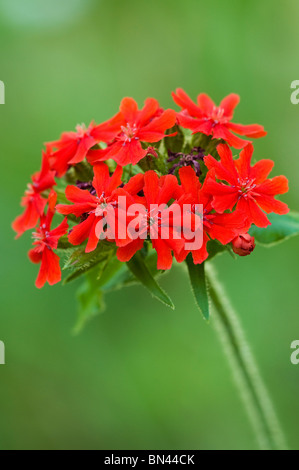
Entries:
{"x":221,"y":227}
{"x":45,"y":241}
{"x":72,"y":147}
{"x":33,"y":201}
{"x":135,"y":127}
{"x":93,"y":207}
{"x":246,"y":186}
{"x":158,"y":192}
{"x":209,"y":119}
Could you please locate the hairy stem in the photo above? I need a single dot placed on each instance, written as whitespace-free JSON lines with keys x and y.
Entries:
{"x":247,"y":376}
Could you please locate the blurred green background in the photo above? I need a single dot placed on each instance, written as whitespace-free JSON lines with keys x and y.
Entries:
{"x":141,"y":376}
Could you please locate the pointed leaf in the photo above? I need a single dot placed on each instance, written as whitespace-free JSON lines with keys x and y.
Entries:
{"x":142,"y":273}
{"x":91,"y":301}
{"x":199,"y":286}
{"x":80,"y":262}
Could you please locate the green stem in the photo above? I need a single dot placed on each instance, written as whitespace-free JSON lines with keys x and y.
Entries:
{"x":247,"y":376}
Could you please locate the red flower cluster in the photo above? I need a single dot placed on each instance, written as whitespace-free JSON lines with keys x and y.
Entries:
{"x":233,"y":193}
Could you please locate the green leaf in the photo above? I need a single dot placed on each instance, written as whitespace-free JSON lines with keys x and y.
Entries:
{"x":199,"y":286}
{"x":283,"y":227}
{"x":80,"y":262}
{"x":140,"y":270}
{"x":91,"y":301}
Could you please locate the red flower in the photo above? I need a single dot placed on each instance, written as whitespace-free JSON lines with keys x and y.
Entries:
{"x":94,"y":207}
{"x":221,"y":227}
{"x":73,"y":147}
{"x":248,"y":186}
{"x":243,"y":245}
{"x":46,"y":240}
{"x":33,"y":202}
{"x":158,"y":192}
{"x":207,"y":118}
{"x":146,"y":125}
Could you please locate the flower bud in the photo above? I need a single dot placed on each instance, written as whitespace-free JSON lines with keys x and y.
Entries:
{"x":243,"y":245}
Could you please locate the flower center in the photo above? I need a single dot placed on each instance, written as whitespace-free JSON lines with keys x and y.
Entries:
{"x":246,"y":186}
{"x":218,"y":115}
{"x":128,"y":133}
{"x":103,"y":204}
{"x":41,"y":235}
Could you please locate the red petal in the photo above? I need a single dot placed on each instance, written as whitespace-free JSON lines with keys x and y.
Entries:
{"x":43,"y":271}
{"x":75,"y":209}
{"x":190,"y":181}
{"x":35,"y":256}
{"x":26,"y":221}
{"x":127,"y":252}
{"x":224,"y":197}
{"x":243,"y":162}
{"x":152,"y":132}
{"x":229,"y":104}
{"x":221,"y":132}
{"x":169,"y":189}
{"x":124,"y":154}
{"x":184,"y":101}
{"x":135,"y":184}
{"x":53,"y":267}
{"x":164,"y":254}
{"x":151,"y":187}
{"x":81,"y":232}
{"x":92,"y":239}
{"x":61,"y":230}
{"x":269,"y":204}
{"x":261,"y":170}
{"x":95,"y":156}
{"x":101,"y":178}
{"x":129,"y":110}
{"x":199,"y":256}
{"x":254,"y":213}
{"x":77,"y":195}
{"x":86,"y":144}
{"x":206,"y":104}
{"x":251,"y":130}
{"x":225,"y":169}
{"x":115,"y":180}
{"x":149,"y":110}
{"x":277,"y":185}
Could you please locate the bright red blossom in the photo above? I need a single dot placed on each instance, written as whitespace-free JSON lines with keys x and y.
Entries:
{"x":73,"y":147}
{"x":46,"y":240}
{"x":158,"y":192}
{"x":209,"y":119}
{"x":93,"y":208}
{"x":221,"y":227}
{"x":135,"y":126}
{"x":247,"y":186}
{"x":33,"y":201}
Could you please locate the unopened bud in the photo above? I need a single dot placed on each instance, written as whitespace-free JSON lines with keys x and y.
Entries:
{"x":244,"y":244}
